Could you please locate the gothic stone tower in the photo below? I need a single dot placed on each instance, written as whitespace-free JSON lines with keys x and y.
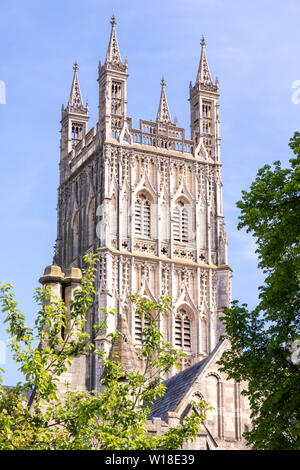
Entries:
{"x":149,"y":201}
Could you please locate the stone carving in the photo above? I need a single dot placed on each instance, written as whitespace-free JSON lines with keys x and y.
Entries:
{"x":184,"y":253}
{"x":165,"y":277}
{"x":163,"y":113}
{"x":145,"y":246}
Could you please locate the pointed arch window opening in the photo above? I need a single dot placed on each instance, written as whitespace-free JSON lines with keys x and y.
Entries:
{"x":183,"y":330}
{"x":206,"y":109}
{"x":204,"y":335}
{"x":181,"y":223}
{"x":91,"y":224}
{"x":76,"y":134}
{"x":142,"y":216}
{"x":140,"y":323}
{"x":75,"y":238}
{"x":116,"y":90}
{"x":116,"y":109}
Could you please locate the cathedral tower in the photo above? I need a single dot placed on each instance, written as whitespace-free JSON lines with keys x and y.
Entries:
{"x":149,"y":201}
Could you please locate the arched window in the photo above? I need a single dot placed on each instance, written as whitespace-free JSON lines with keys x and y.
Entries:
{"x":204,"y":336}
{"x":214,"y":416}
{"x":75,"y":237}
{"x":181,"y":223}
{"x":140,"y":322}
{"x":76,"y":134}
{"x":91,"y":223}
{"x":182,"y":330}
{"x":116,"y":90}
{"x":142,"y":216}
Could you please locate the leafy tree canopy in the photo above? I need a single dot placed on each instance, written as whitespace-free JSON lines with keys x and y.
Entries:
{"x":265,"y":341}
{"x":113,"y":419}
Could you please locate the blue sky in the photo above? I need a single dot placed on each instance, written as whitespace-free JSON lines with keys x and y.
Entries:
{"x":253,"y":48}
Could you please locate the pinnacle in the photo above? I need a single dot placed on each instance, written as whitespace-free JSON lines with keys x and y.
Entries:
{"x":113,"y":55}
{"x":203,"y":75}
{"x":75,"y":99}
{"x":163,"y":113}
{"x":123,"y":350}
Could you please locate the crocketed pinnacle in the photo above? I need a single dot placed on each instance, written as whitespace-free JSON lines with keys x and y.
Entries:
{"x":163,"y":113}
{"x":203,"y":75}
{"x":122,"y":350}
{"x":113,"y":55}
{"x":75,"y":99}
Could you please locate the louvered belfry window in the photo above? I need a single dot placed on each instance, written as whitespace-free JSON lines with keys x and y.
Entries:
{"x":142,"y":216}
{"x":181,"y":223}
{"x":182,"y":330}
{"x":139,"y":324}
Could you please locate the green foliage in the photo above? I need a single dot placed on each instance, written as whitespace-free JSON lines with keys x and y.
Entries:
{"x":113,"y":419}
{"x":262,"y":339}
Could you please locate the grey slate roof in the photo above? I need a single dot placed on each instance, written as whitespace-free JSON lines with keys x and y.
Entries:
{"x":177,"y":387}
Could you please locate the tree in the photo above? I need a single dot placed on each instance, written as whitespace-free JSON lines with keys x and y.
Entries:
{"x":113,"y":419}
{"x":264,"y":341}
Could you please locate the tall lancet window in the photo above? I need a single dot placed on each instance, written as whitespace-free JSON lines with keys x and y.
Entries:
{"x":206,"y":109}
{"x":75,"y":237}
{"x":76,"y":134}
{"x":116,"y":90}
{"x":90,"y":224}
{"x":139,"y":324}
{"x":182,"y":330}
{"x":204,"y":335}
{"x":180,"y":223}
{"x":142,"y":216}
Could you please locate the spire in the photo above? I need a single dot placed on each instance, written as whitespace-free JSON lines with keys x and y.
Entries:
{"x":113,"y":55}
{"x":75,"y":111}
{"x":75,"y":99}
{"x":122,"y":350}
{"x":163,"y":113}
{"x":203,"y":75}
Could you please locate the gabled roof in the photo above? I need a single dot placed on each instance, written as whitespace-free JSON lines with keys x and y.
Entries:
{"x":177,"y":387}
